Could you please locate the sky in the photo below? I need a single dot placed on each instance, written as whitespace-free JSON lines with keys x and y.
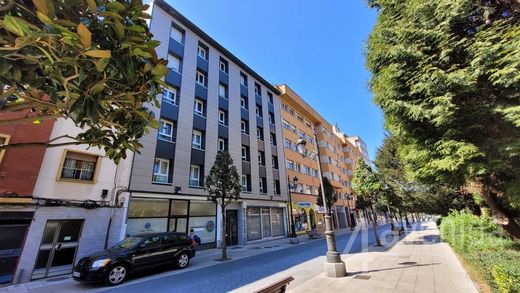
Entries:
{"x":316,"y":49}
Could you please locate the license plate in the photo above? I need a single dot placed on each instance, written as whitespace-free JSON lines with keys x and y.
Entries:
{"x":76,"y":274}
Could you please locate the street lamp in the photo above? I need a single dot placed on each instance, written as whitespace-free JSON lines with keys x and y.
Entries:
{"x":334,"y":267}
{"x":292,"y":235}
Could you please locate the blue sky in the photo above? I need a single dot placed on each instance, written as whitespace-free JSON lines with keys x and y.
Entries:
{"x":318,"y":50}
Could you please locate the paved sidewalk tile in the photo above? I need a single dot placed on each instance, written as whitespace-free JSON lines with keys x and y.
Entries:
{"x":417,"y":263}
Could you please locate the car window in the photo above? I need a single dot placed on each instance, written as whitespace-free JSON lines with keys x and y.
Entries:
{"x":170,"y":239}
{"x":152,"y":242}
{"x":128,"y":242}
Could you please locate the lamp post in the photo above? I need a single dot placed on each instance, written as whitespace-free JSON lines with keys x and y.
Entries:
{"x":292,"y":235}
{"x":349,"y":198}
{"x":334,"y":267}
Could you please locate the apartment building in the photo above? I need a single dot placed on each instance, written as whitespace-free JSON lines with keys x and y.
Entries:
{"x":213,"y":102}
{"x":338,"y":158}
{"x":66,"y":201}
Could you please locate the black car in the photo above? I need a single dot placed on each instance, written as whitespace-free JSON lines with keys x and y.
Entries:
{"x":135,"y":253}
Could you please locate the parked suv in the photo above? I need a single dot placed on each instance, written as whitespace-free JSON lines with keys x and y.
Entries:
{"x":136,"y":253}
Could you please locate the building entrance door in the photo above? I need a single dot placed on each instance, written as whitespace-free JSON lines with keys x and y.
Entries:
{"x":58,"y":248}
{"x":231,"y":227}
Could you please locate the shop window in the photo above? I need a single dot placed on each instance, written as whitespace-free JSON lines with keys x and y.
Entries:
{"x":254,"y":225}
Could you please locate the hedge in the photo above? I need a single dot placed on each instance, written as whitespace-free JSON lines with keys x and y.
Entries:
{"x":481,"y":244}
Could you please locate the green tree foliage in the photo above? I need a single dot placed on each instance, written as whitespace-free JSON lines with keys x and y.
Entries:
{"x":446,"y":75}
{"x":223,"y":186}
{"x":90,"y":61}
{"x":330,"y":196}
{"x":368,"y":186}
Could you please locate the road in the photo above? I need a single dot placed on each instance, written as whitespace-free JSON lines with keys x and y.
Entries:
{"x":231,"y":275}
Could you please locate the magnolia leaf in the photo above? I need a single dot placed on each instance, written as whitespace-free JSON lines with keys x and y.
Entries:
{"x":116,"y":6}
{"x":16,"y":25}
{"x":92,"y":5}
{"x":160,"y":70}
{"x":85,"y":35}
{"x":99,"y":53}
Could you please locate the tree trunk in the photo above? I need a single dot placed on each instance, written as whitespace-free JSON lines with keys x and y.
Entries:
{"x":501,"y":215}
{"x":374,"y":225}
{"x":401,"y":217}
{"x":223,"y":233}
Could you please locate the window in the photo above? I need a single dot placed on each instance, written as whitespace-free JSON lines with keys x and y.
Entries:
{"x":276,"y":186}
{"x":272,"y":138}
{"x":223,"y":65}
{"x":174,"y":63}
{"x":287,"y":144}
{"x":293,"y":128}
{"x":290,"y":165}
{"x":165,"y":130}
{"x":4,"y":140}
{"x":199,"y":107}
{"x":79,"y":166}
{"x":270,"y":98}
{"x":245,"y":153}
{"x":161,"y":169}
{"x":286,"y":124}
{"x":301,"y":134}
{"x":258,"y":110}
{"x":306,"y":170}
{"x":271,"y":117}
{"x":243,"y":79}
{"x":222,"y":91}
{"x":244,"y":127}
{"x":258,"y":89}
{"x":244,"y":183}
{"x":291,"y":111}
{"x":196,"y":139}
{"x":299,"y":117}
{"x":177,"y":34}
{"x":262,"y":182}
{"x":284,"y":106}
{"x":170,"y":96}
{"x":195,"y":176}
{"x":274,"y":160}
{"x":315,"y":173}
{"x":261,"y":158}
{"x":260,"y":133}
{"x":308,"y":123}
{"x":222,"y":144}
{"x":201,"y":78}
{"x":243,"y":103}
{"x":297,"y":167}
{"x":222,"y":117}
{"x":202,"y":52}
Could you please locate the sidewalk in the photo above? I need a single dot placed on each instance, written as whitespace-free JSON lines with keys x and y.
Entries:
{"x":202,"y":259}
{"x":419,"y":262}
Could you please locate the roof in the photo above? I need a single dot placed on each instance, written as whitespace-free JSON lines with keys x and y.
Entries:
{"x":186,"y":22}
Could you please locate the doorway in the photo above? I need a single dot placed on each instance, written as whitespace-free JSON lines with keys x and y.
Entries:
{"x":13,"y":237}
{"x":231,"y":227}
{"x":58,"y":248}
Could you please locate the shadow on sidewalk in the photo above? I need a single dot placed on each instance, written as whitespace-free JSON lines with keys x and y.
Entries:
{"x":404,"y":265}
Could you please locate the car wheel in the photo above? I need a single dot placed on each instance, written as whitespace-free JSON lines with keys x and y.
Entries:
{"x":116,"y":275}
{"x":183,"y":260}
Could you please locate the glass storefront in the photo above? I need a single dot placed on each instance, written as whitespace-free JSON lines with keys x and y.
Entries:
{"x":263,"y":222}
{"x":161,"y":215}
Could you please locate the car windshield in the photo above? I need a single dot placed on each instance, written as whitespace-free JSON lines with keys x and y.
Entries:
{"x":128,"y":242}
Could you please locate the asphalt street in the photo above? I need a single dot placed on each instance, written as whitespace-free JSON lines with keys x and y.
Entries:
{"x":231,"y":275}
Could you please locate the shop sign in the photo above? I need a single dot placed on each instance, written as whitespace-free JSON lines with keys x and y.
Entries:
{"x":304,"y":204}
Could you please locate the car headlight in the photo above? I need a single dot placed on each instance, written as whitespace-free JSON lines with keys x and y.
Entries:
{"x":100,"y":263}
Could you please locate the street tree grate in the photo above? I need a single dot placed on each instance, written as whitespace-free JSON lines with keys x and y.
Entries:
{"x":361,"y":277}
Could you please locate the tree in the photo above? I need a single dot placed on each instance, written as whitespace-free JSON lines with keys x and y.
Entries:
{"x":445,"y":74}
{"x":89,"y":61}
{"x":330,"y":196}
{"x":223,"y":186}
{"x":368,"y":185}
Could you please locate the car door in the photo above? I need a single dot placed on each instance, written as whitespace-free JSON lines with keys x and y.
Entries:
{"x":148,"y":253}
{"x":170,"y":247}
